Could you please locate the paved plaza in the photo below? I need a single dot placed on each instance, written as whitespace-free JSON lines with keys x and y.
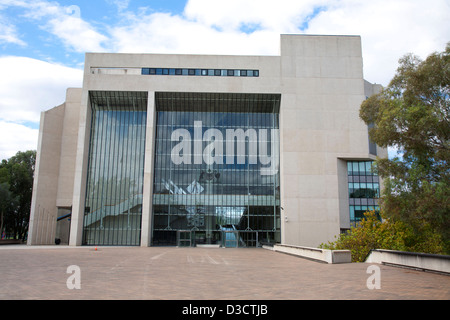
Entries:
{"x":170,"y":273}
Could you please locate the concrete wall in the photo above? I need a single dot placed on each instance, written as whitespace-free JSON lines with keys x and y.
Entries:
{"x":80,"y":174}
{"x":316,"y":254}
{"x":68,"y":148}
{"x":421,"y":261}
{"x":43,"y":206}
{"x":54,"y":173}
{"x":323,"y":88}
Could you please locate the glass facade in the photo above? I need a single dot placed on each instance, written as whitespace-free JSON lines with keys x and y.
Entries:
{"x":113,"y":206}
{"x":363,"y":188}
{"x":216,"y":177}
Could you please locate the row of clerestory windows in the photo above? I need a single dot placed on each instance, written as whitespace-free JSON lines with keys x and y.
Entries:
{"x":200,"y":72}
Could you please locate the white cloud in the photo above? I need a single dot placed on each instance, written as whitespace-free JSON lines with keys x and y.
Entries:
{"x":166,"y":33}
{"x":16,"y":137}
{"x":388,"y":29}
{"x":212,"y":27}
{"x":8,"y":32}
{"x":76,"y":33}
{"x":285,"y":15}
{"x":29,"y":86}
{"x":120,"y":4}
{"x":65,"y":22}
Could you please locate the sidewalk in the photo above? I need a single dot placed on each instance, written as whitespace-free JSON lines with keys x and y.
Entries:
{"x":200,"y":274}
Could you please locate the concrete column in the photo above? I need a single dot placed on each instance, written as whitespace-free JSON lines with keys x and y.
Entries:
{"x":79,"y":187}
{"x":146,"y":226}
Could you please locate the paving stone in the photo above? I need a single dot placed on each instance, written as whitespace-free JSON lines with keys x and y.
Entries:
{"x":169,"y":273}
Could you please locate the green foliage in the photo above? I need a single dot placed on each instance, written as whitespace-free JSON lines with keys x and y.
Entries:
{"x":412,"y":113}
{"x":373,"y":233}
{"x":16,"y":186}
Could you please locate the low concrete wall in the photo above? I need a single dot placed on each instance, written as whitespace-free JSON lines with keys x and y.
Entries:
{"x":322,"y":255}
{"x":422,"y":261}
{"x":208,"y":245}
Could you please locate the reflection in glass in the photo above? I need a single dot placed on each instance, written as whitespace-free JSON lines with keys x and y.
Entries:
{"x":116,"y":166}
{"x":227,"y":201}
{"x":363,"y":188}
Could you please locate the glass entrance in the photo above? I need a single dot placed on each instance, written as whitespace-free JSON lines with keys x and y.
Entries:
{"x":184,"y":238}
{"x":115,"y":174}
{"x":249,"y":238}
{"x":240,"y":239}
{"x":216,"y":169}
{"x":230,"y":239}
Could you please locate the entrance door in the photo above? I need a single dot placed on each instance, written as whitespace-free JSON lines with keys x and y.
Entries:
{"x":184,"y":238}
{"x":249,"y":238}
{"x":230,"y":239}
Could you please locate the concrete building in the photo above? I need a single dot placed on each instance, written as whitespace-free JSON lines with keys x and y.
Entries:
{"x":171,"y":149}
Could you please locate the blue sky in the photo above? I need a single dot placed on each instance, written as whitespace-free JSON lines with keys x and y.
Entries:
{"x":36,"y":39}
{"x":43,"y":42}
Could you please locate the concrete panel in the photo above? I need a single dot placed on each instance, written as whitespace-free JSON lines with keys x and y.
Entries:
{"x":81,"y":163}
{"x":320,"y":255}
{"x":146,"y":225}
{"x":428,"y":262}
{"x":68,"y":148}
{"x":43,"y":213}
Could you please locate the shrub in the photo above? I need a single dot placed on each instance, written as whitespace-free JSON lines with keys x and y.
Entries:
{"x":374,"y":233}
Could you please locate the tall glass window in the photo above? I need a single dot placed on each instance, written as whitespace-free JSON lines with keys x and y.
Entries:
{"x":363,"y":188}
{"x":216,"y":172}
{"x":116,"y":168}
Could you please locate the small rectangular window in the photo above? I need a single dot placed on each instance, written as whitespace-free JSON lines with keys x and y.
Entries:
{"x":230,"y":73}
{"x":152,"y":71}
{"x":204,"y":72}
{"x":178,"y":72}
{"x":145,"y":71}
{"x":362,"y":168}
{"x":158,"y":71}
{"x":256,"y":73}
{"x":217,"y":72}
{"x":191,"y":72}
{"x":243,"y":73}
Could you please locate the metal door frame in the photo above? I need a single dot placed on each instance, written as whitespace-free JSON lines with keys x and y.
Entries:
{"x":181,"y":242}
{"x":252,"y":238}
{"x":230,"y":243}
